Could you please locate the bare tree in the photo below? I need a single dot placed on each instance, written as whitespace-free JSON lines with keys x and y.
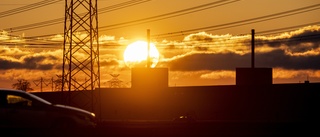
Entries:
{"x":22,"y":84}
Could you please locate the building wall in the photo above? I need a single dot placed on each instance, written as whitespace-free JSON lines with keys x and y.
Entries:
{"x":253,"y":76}
{"x":253,"y":98}
{"x":149,"y":78}
{"x":278,"y":102}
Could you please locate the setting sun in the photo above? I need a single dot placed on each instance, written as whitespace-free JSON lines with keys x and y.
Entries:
{"x":136,"y":54}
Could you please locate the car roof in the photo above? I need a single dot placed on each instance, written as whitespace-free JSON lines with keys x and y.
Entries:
{"x":11,"y":90}
{"x":25,"y":93}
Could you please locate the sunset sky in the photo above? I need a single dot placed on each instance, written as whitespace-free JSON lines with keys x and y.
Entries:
{"x":201,"y":42}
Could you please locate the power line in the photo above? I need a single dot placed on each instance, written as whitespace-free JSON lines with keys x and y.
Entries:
{"x":201,"y":42}
{"x":130,"y":23}
{"x":281,"y":30}
{"x":215,"y":27}
{"x":126,"y":4}
{"x":263,"y":20}
{"x":264,"y":32}
{"x":261,"y":32}
{"x":27,"y":7}
{"x":221,"y":26}
{"x":243,"y":22}
{"x":171,"y":14}
{"x":61,"y":20}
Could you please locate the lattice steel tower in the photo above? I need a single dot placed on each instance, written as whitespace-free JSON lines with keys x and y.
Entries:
{"x":81,"y":69}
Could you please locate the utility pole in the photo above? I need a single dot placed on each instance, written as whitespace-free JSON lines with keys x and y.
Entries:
{"x":252,"y":48}
{"x":52,"y":82}
{"x":148,"y":54}
{"x":41,"y":82}
{"x":38,"y":82}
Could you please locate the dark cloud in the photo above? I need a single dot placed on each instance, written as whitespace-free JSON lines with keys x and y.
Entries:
{"x":200,"y":37}
{"x":209,"y":62}
{"x":44,"y":63}
{"x":6,"y":64}
{"x":261,"y":42}
{"x":30,"y":62}
{"x":2,"y":51}
{"x":278,"y":58}
{"x":230,"y":61}
{"x":299,"y":41}
{"x":308,"y":36}
{"x":199,"y":48}
{"x":295,"y":43}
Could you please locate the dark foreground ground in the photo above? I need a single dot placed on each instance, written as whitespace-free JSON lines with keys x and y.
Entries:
{"x":170,"y":129}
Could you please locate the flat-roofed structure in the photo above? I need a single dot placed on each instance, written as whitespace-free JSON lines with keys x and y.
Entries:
{"x":253,"y":76}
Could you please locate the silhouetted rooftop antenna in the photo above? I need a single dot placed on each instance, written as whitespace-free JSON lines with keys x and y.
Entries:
{"x":307,"y":81}
{"x":252,"y":48}
{"x":148,"y":54}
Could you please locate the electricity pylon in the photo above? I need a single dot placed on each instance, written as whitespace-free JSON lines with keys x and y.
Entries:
{"x":81,"y":69}
{"x":115,"y":82}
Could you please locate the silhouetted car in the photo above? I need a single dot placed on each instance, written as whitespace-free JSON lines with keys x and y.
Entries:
{"x":19,"y":109}
{"x":184,"y":119}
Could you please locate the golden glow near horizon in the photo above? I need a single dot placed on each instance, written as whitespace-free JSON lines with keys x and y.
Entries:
{"x":136,"y":54}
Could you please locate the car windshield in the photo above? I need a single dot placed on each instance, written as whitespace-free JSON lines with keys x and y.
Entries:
{"x":40,"y":99}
